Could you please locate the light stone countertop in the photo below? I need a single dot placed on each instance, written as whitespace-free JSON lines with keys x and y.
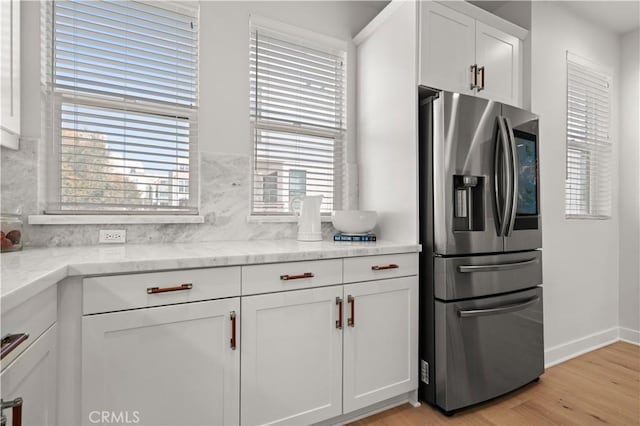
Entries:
{"x":26,"y":273}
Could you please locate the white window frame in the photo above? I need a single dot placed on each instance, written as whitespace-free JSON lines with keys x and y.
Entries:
{"x":52,"y":105}
{"x":590,"y":203}
{"x":312,"y":39}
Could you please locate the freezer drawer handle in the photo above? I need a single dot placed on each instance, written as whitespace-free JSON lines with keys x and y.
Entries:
{"x":382,"y":268}
{"x":499,"y":310}
{"x":156,"y":290}
{"x":500,"y":267}
{"x":12,"y":341}
{"x":16,"y":406}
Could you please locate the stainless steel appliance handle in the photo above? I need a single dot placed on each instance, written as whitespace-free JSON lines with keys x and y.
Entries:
{"x":498,"y":267}
{"x":513,"y":207}
{"x":497,"y":178}
{"x":503,"y":210}
{"x":499,"y":310}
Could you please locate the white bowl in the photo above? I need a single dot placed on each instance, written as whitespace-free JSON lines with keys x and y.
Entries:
{"x":354,"y":221}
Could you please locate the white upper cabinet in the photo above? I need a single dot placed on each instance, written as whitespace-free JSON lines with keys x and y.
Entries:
{"x":462,"y":54}
{"x":498,"y":59}
{"x":447,"y":50}
{"x":10,"y":73}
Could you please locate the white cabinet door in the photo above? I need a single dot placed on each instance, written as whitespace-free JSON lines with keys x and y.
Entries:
{"x":10,"y":72}
{"x":446,"y":48}
{"x":32,"y":377}
{"x":498,"y":57}
{"x":291,"y":357}
{"x":380,"y":341}
{"x":169,"y":365}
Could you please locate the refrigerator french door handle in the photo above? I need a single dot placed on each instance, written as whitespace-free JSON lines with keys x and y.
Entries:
{"x":513,"y":157}
{"x":503,"y":210}
{"x":498,"y":310}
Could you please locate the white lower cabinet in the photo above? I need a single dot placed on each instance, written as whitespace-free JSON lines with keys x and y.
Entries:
{"x":32,"y":377}
{"x":151,"y":355}
{"x":302,"y":363}
{"x":165,"y":365}
{"x":380,"y":341}
{"x":291,"y":357}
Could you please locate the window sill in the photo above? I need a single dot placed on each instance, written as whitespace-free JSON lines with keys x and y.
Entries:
{"x":280,"y":219}
{"x":77,"y":219}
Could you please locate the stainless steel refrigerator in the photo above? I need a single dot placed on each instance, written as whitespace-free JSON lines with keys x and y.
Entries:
{"x":481,"y":328}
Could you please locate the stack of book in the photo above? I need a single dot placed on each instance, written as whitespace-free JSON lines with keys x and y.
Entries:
{"x":354,"y":237}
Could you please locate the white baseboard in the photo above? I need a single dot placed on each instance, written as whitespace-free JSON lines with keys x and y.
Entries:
{"x":560,"y":353}
{"x":629,"y":335}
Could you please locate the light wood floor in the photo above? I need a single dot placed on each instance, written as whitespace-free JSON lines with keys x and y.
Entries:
{"x":601,"y":387}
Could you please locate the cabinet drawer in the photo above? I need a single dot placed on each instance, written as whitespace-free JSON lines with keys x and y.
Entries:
{"x":31,"y":318}
{"x":119,"y":292}
{"x":380,"y":267}
{"x":290,"y":276}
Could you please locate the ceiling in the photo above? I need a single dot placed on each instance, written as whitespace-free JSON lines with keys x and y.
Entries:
{"x":617,"y":16}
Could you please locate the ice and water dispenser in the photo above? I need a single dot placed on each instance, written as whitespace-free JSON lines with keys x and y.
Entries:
{"x":468,"y":212}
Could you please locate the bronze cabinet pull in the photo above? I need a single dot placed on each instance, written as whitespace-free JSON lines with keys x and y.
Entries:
{"x":16,"y":406}
{"x":232,"y":317}
{"x":382,"y":268}
{"x":474,"y":76}
{"x":339,"y":320}
{"x":481,"y":71}
{"x":351,"y":322}
{"x":156,"y":290}
{"x":10,"y":342}
{"x":296,"y":277}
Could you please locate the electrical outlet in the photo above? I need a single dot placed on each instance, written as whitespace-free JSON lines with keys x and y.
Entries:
{"x":109,"y":236}
{"x":424,"y":371}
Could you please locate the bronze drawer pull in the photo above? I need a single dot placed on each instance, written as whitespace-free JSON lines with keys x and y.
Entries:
{"x":232,"y":342}
{"x":10,"y":342}
{"x":382,"y":268}
{"x":16,"y":406}
{"x":296,"y":277}
{"x":156,"y":290}
{"x":339,"y":320}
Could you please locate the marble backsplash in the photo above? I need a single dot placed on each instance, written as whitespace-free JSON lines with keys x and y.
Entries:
{"x":224,"y":203}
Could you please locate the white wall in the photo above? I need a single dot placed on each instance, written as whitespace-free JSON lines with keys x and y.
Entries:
{"x":630,"y":184}
{"x":580,"y":257}
{"x":224,"y":66}
{"x":224,"y":138}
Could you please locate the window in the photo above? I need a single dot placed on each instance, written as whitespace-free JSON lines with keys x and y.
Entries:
{"x":297,"y":183}
{"x":298,"y":116}
{"x":123,"y":94}
{"x":588,"y":180}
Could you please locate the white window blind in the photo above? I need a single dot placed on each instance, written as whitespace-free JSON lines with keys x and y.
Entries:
{"x":123,"y":87}
{"x":298,"y":115}
{"x":588,"y":180}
